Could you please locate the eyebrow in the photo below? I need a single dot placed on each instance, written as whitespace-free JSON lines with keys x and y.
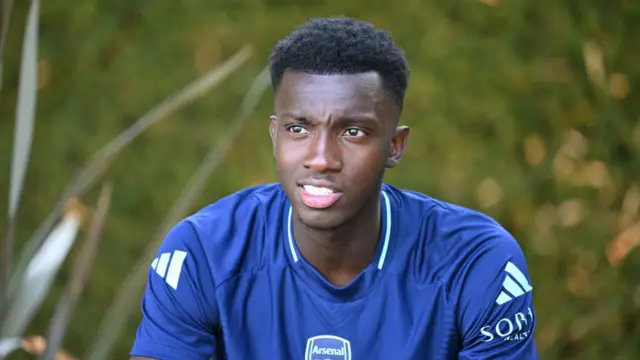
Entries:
{"x":356,"y":118}
{"x":297,"y":117}
{"x":360,"y":118}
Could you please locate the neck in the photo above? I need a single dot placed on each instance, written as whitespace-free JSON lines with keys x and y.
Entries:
{"x":340,"y":254}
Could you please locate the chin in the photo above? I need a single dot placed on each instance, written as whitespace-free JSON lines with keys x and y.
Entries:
{"x":321,"y":219}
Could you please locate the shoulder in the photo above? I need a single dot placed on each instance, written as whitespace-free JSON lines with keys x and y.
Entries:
{"x":245,"y":205}
{"x":220,"y":234}
{"x":465,"y":232}
{"x":450,"y":237}
{"x":476,"y":252}
{"x":482,"y":269}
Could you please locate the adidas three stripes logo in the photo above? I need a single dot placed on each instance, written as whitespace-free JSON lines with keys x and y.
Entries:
{"x":169,"y":267}
{"x":515,"y":284}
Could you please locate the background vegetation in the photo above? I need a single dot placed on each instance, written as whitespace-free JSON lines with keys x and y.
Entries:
{"x":527,"y":111}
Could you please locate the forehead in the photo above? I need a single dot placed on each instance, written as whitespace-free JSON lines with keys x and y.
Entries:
{"x":326,"y":95}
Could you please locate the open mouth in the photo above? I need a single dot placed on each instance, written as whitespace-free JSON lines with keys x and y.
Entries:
{"x":318,"y":197}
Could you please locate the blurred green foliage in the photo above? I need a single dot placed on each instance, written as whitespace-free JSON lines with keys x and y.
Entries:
{"x":527,"y":111}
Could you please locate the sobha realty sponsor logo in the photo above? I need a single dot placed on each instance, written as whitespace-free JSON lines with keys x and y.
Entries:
{"x":327,"y":347}
{"x":514,"y":328}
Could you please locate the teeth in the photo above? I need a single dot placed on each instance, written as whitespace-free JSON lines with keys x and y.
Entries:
{"x":314,"y":190}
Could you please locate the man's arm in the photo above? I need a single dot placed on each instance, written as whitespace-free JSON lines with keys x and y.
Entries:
{"x":496,"y":313}
{"x":179,"y":312}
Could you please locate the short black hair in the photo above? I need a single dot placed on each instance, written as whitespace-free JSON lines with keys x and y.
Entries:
{"x":341,"y":45}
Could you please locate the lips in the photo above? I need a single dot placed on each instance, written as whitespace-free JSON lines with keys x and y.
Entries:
{"x":319,"y":195}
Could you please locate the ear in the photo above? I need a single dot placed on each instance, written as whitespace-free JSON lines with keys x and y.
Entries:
{"x":397,"y":146}
{"x":273,"y":127}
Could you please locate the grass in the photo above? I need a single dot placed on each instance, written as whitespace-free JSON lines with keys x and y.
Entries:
{"x":25,"y":284}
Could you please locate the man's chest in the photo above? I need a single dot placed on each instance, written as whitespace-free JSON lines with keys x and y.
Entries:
{"x":276,"y":315}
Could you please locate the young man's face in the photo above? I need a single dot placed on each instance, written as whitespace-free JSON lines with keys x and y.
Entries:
{"x":333,"y":137}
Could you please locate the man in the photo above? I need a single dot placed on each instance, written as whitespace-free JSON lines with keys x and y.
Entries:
{"x":331,"y":263}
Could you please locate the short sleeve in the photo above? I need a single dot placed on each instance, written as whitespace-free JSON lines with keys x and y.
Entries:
{"x":179,"y":312}
{"x":496,"y":315}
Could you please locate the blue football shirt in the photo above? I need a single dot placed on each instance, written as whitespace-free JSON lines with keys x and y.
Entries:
{"x":228,"y":282}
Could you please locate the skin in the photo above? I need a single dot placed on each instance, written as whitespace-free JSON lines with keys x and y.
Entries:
{"x":341,"y":129}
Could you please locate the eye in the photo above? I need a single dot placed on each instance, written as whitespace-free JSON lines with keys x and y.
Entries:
{"x":354,"y":132}
{"x":296,"y":129}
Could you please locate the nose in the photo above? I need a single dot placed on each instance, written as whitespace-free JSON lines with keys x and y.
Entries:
{"x":323,"y":155}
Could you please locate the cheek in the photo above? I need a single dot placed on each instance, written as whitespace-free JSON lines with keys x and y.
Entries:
{"x":373,"y":157}
{"x":286,"y":157}
{"x":368,"y":165}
